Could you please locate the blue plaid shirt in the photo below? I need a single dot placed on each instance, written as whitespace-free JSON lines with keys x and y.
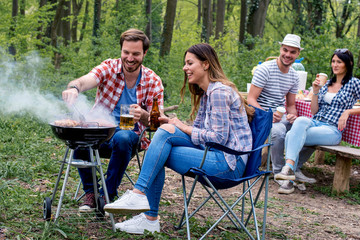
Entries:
{"x":344,"y":99}
{"x":227,"y":122}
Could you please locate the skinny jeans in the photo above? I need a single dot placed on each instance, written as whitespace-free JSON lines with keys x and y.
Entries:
{"x":278,"y":134}
{"x":177,"y":152}
{"x":119,"y":148}
{"x":309,"y":132}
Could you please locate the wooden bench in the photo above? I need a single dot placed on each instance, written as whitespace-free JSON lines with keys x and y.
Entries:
{"x":344,"y":156}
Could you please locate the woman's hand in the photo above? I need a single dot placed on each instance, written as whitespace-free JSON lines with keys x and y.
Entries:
{"x":316,"y":84}
{"x":177,"y":123}
{"x":343,"y":119}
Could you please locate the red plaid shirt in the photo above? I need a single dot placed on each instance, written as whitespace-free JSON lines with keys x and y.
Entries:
{"x":111,"y":83}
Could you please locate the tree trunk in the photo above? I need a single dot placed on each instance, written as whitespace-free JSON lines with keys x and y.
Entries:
{"x":117,"y":5}
{"x":317,"y":16}
{"x":298,"y":24}
{"x":220,"y":18}
{"x":52,"y":9}
{"x":14,"y":13}
{"x":97,"y":16}
{"x":86,"y":19}
{"x":40,"y":29}
{"x":213,"y":13}
{"x":22,"y":7}
{"x":168,"y":27}
{"x":76,"y":10}
{"x":199,"y":12}
{"x":55,"y":23}
{"x":342,"y":21}
{"x":206,"y":24}
{"x":256,"y":19}
{"x":148,"y":17}
{"x":66,"y":22}
{"x":243,"y":14}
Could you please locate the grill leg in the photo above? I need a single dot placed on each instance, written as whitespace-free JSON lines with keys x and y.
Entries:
{"x":97,"y":156}
{"x":59,"y":175}
{"x":64,"y":186}
{"x":93,"y":172}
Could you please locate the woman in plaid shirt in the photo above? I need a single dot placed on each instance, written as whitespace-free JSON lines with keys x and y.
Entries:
{"x":222,"y":117}
{"x":331,"y":106}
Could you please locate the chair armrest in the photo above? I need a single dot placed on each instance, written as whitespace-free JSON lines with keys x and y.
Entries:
{"x":231,"y":151}
{"x":138,"y":148}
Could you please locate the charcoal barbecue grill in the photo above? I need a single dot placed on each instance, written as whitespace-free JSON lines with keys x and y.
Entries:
{"x":89,"y":135}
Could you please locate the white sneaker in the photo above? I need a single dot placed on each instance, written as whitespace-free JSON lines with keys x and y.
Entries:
{"x":299,"y":176}
{"x":138,"y":224}
{"x":286,"y":174}
{"x":280,"y":182}
{"x":287,"y":187}
{"x":130,"y":202}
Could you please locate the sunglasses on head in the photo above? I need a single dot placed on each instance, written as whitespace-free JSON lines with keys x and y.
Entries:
{"x":341,"y":50}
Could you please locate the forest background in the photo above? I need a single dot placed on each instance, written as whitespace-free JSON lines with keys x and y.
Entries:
{"x":46,"y":43}
{"x":76,"y":35}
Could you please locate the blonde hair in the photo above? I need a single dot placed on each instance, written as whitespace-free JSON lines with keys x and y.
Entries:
{"x":204,"y":52}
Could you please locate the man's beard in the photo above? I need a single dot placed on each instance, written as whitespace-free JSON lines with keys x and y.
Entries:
{"x":133,"y":68}
{"x":286,"y":65}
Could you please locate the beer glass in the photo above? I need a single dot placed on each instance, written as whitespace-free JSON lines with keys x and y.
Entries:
{"x":126,"y":119}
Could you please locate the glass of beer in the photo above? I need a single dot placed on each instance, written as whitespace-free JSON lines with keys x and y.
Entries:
{"x":126,"y":118}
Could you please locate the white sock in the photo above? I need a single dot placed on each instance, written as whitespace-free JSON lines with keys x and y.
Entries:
{"x":152,"y":221}
{"x":138,"y":194}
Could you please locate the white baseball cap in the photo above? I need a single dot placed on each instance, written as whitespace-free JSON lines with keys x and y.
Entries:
{"x":292,"y":40}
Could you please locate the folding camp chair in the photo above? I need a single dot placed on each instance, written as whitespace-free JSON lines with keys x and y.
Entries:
{"x":261,"y":128}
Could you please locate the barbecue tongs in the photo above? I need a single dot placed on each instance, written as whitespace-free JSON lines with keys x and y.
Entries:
{"x":78,"y":114}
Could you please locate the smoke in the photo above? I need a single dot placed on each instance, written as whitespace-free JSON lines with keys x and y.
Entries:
{"x":20,"y":84}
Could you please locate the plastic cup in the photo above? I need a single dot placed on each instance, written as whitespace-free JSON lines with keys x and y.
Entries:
{"x":248,"y":85}
{"x":323,"y":78}
{"x":280,"y":111}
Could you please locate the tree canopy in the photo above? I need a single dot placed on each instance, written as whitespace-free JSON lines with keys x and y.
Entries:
{"x":78,"y":34}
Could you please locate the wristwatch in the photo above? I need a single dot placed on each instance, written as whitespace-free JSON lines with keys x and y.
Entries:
{"x":74,"y":86}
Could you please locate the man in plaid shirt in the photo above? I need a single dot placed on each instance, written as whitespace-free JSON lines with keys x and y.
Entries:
{"x":118,"y":81}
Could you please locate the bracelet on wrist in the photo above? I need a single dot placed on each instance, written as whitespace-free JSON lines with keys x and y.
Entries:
{"x":74,"y":86}
{"x":316,"y":94}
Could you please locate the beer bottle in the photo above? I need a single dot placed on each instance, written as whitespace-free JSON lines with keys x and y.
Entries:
{"x":154,"y":115}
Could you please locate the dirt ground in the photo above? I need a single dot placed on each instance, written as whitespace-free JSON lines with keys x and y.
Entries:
{"x":307,"y":214}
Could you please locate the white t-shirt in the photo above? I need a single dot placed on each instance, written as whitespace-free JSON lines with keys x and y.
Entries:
{"x":328,"y":97}
{"x":275,"y":84}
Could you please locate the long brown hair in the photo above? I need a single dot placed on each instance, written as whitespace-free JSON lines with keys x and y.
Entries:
{"x":204,"y":52}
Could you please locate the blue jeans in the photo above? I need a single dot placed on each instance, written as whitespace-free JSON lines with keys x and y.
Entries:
{"x":120,"y":146}
{"x":176,"y":151}
{"x":278,"y":134}
{"x":309,"y":132}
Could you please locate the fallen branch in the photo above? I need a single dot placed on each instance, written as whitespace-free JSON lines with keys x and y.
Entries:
{"x":168,"y":109}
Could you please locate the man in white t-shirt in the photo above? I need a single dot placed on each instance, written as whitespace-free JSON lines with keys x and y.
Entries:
{"x":275,"y":84}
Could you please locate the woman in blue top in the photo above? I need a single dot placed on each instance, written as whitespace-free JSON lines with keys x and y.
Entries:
{"x":222,"y":117}
{"x":331,"y":106}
